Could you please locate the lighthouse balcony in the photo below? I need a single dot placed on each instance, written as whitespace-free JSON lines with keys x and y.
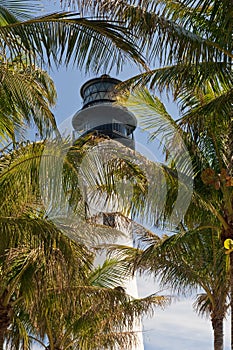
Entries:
{"x":116,"y":131}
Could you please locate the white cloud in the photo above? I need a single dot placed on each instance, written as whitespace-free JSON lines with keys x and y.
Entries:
{"x":177,"y":327}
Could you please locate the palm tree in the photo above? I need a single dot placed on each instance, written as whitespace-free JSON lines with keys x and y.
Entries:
{"x":30,"y":271}
{"x":36,"y":255}
{"x":209,"y":148}
{"x":39,"y":249}
{"x":188,"y":262}
{"x":96,"y":315}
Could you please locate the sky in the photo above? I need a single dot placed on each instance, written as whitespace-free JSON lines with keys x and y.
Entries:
{"x":176,"y":327}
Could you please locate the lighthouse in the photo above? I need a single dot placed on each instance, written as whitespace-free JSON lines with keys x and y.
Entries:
{"x":101,"y":116}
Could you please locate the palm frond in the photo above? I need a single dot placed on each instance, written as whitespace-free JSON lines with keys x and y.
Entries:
{"x":63,"y":37}
{"x":212,"y":107}
{"x":179,"y":179}
{"x":22,"y":10}
{"x":6,"y":16}
{"x":110,"y":274}
{"x":202,"y":305}
{"x":187,"y":262}
{"x":26,"y":95}
{"x":164,"y":31}
{"x":177,"y":78}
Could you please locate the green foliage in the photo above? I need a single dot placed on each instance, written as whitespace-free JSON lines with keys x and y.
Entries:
{"x":27,"y":93}
{"x":47,"y":278}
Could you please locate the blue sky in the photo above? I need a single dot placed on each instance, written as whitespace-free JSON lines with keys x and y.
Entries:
{"x":177,"y":327}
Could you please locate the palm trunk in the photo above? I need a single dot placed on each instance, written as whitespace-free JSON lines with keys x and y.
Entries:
{"x":231,"y":296}
{"x":217,"y":324}
{"x":1,"y":339}
{"x":229,"y":234}
{"x":4,"y":322}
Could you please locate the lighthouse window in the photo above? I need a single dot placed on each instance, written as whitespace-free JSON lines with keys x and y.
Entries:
{"x":120,"y":128}
{"x":109,"y":220}
{"x":105,"y":127}
{"x":99,"y":91}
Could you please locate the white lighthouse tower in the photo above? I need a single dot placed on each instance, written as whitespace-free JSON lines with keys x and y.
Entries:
{"x":102,"y":116}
